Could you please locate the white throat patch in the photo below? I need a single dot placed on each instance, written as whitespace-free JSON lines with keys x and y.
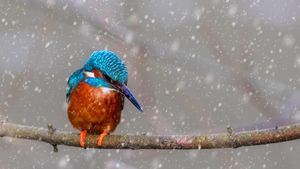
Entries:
{"x":106,"y":90}
{"x":89,"y":74}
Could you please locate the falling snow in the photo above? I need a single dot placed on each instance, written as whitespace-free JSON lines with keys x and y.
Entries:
{"x":196,"y":67}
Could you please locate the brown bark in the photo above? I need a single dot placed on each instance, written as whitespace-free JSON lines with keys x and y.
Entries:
{"x":228,"y":139}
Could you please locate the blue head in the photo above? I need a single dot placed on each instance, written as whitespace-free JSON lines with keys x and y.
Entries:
{"x":111,"y":67}
{"x":109,"y":64}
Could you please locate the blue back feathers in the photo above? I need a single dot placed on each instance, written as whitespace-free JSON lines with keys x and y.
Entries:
{"x":108,"y":63}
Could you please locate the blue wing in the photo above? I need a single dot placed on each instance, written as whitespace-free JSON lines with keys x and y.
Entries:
{"x":73,"y":81}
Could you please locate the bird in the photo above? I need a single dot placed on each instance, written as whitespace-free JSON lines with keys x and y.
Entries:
{"x":95,"y":95}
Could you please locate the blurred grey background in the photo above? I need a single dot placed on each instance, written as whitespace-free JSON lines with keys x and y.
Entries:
{"x":196,"y":66}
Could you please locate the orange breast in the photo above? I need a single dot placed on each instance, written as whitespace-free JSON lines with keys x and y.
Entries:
{"x":94,"y":109}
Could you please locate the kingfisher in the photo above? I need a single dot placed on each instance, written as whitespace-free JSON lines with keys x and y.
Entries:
{"x":95,"y":95}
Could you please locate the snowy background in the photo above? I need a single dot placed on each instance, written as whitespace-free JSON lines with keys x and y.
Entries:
{"x":196,"y":67}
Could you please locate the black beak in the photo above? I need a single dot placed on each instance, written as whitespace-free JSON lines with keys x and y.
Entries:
{"x":127,"y":93}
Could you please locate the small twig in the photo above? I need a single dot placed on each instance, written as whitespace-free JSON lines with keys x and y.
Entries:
{"x":229,"y":130}
{"x":209,"y":141}
{"x":51,"y":131}
{"x":231,"y":136}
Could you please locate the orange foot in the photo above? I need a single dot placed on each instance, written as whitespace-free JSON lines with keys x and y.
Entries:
{"x":101,"y":136}
{"x":82,"y":138}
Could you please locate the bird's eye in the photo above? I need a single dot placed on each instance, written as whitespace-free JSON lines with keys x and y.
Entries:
{"x":108,"y":79}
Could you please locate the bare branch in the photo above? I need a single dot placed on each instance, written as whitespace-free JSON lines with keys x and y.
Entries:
{"x":209,"y":141}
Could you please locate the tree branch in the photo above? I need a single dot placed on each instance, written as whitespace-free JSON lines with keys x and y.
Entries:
{"x":209,"y":141}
